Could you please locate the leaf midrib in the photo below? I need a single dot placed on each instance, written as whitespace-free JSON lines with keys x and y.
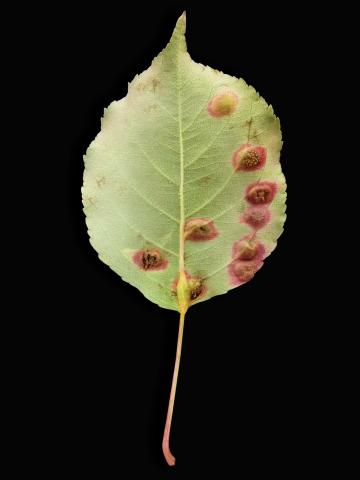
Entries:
{"x":181,"y":182}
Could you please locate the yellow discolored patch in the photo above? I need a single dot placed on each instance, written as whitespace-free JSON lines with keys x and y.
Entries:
{"x":223,"y":104}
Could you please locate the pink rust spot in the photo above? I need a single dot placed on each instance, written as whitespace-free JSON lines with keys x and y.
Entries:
{"x":248,"y":158}
{"x":200,"y":230}
{"x":241,"y":272}
{"x":150,"y":259}
{"x":256,"y":217}
{"x":223,"y":104}
{"x":261,"y":193}
{"x":248,"y":249}
{"x":247,"y":258}
{"x":196,"y":286}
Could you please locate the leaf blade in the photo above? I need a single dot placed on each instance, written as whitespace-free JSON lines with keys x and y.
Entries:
{"x":163,"y":134}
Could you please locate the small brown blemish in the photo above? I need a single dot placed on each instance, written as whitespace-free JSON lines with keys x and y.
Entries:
{"x":206,"y":180}
{"x":150,"y":259}
{"x":100,"y":182}
{"x":150,"y":108}
{"x":122,"y":188}
{"x":254,"y":133}
{"x":89,"y":201}
{"x":140,"y":86}
{"x":155,"y":84}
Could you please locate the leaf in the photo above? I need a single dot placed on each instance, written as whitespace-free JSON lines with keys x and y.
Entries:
{"x":183,"y":191}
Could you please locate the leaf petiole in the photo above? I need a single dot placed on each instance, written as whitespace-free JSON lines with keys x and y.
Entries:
{"x":169,"y":457}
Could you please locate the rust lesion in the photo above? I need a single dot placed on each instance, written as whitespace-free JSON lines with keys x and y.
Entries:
{"x":200,"y":229}
{"x":247,"y":258}
{"x":223,"y":104}
{"x":261,"y":193}
{"x":150,"y":259}
{"x":250,"y":159}
{"x":196,"y":288}
{"x":245,"y":272}
{"x":257,"y":217}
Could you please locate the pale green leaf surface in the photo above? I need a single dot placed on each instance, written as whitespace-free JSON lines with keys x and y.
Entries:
{"x":160,"y":159}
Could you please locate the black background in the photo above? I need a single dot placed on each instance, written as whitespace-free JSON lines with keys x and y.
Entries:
{"x":249,"y":394}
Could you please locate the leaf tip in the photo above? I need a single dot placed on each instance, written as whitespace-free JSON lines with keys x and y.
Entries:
{"x":177,"y":41}
{"x":180,"y":26}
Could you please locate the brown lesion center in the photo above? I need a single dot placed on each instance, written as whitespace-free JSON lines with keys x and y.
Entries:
{"x":196,"y":288}
{"x":261,"y":195}
{"x":250,"y":159}
{"x":150,"y":259}
{"x":202,"y":229}
{"x":195,"y":292}
{"x":199,"y":229}
{"x":247,"y":250}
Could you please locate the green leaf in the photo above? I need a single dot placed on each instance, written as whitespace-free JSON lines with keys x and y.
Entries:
{"x":183,"y":191}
